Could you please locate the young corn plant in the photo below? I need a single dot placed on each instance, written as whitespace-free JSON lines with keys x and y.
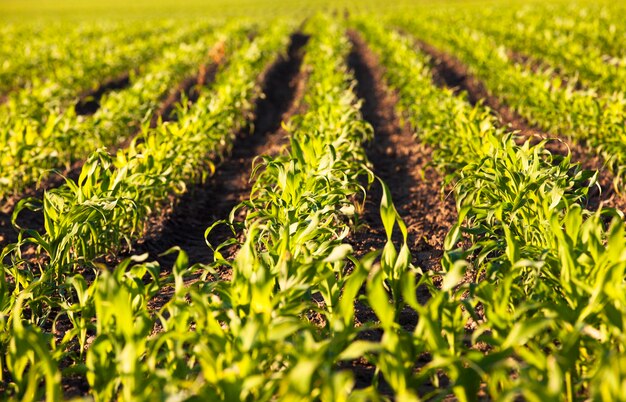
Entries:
{"x":299,"y":215}
{"x":513,"y":202}
{"x":41,"y":129}
{"x":543,"y":100}
{"x":107,"y":207}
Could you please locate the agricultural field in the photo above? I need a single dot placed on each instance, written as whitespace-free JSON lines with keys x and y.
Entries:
{"x":302,"y":201}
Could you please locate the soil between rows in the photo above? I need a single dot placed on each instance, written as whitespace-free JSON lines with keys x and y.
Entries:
{"x":449,"y":71}
{"x":403,"y":163}
{"x":416,"y":188}
{"x":185,"y":225}
{"x":89,"y":102}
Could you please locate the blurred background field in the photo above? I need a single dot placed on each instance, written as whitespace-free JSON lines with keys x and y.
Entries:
{"x":18,"y":10}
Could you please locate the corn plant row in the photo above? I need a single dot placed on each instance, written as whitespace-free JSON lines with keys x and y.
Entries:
{"x":593,"y":25}
{"x":116,"y":54}
{"x":290,"y":299}
{"x":69,"y":138}
{"x":33,"y":114}
{"x":294,"y":280}
{"x":36,"y":51}
{"x":533,"y":320}
{"x":87,"y":218}
{"x":44,"y":99}
{"x":562,"y":50}
{"x":106,"y":207}
{"x":250,"y":338}
{"x":114,"y":194}
{"x":536,"y":95}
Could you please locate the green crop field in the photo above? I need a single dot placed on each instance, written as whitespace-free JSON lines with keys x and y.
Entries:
{"x":258,"y":200}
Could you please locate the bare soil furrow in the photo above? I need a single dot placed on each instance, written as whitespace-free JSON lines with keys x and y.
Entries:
{"x":450,"y":72}
{"x":89,"y":102}
{"x":403,"y":163}
{"x":187,"y":89}
{"x":185,"y":225}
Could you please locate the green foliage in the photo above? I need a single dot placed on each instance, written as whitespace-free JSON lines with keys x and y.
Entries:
{"x":524,"y":267}
{"x":592,"y":115}
{"x":528,"y":303}
{"x":42,"y":131}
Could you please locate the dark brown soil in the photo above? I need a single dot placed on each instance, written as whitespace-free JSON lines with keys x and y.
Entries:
{"x":89,"y":102}
{"x":450,"y":72}
{"x":403,"y":164}
{"x":282,"y":86}
{"x":416,"y":188}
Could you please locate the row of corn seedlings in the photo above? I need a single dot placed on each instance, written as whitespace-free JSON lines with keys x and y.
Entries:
{"x":50,"y":312}
{"x":538,"y":96}
{"x":294,"y":279}
{"x":34,"y":51}
{"x":39,"y":123}
{"x":117,"y":53}
{"x":68,"y":138}
{"x":278,"y":329}
{"x":290,"y":298}
{"x":106,"y":208}
{"x":530,"y":305}
{"x":581,"y":62}
{"x":592,"y":25}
